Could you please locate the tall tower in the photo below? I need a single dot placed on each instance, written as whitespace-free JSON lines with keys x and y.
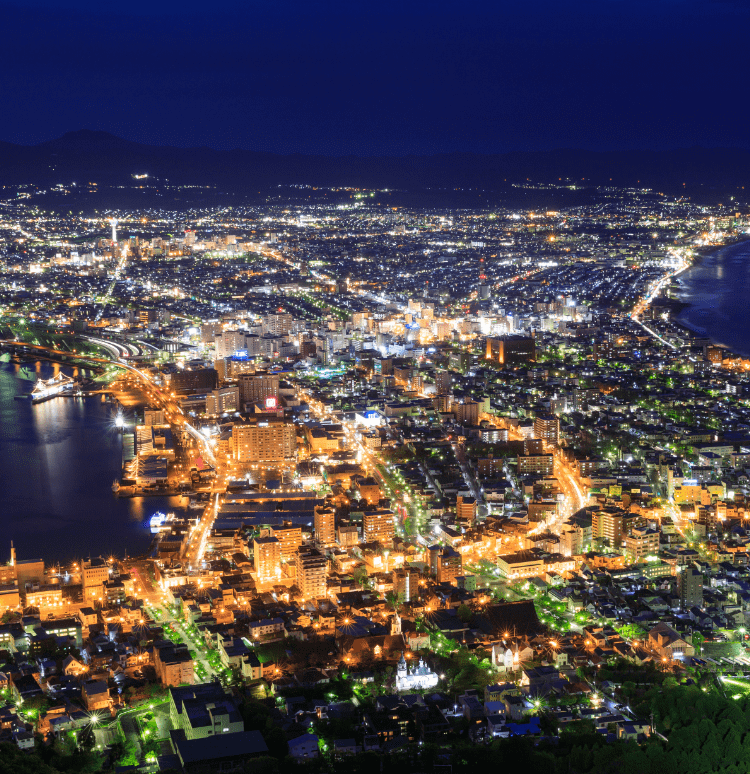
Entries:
{"x":12,"y":554}
{"x":484,"y":289}
{"x":113,"y":221}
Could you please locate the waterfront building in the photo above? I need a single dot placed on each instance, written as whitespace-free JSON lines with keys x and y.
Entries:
{"x":28,"y":571}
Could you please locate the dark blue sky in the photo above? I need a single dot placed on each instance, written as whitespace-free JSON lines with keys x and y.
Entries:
{"x":379,"y":77}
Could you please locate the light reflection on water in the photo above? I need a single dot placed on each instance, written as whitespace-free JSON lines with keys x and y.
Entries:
{"x":58,"y":460}
{"x":718,"y":290}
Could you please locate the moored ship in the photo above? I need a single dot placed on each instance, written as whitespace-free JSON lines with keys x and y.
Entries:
{"x":50,"y":388}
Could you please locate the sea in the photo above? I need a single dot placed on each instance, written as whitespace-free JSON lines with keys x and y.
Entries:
{"x":58,"y":460}
{"x":718,"y":292}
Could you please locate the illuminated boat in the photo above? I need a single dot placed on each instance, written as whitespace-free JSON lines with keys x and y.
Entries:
{"x":57,"y":385}
{"x":161,"y":522}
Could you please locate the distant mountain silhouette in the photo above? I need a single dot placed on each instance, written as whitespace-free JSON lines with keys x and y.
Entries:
{"x":95,"y":156}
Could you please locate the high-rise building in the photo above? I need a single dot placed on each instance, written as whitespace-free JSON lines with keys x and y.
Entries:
{"x":93,"y":576}
{"x":223,"y":400}
{"x":28,"y":571}
{"x":443,"y":382}
{"x":690,"y":586}
{"x":641,"y":543}
{"x":466,"y":412}
{"x":533,"y":446}
{"x":575,"y":535}
{"x":264,"y":440}
{"x":229,"y":342}
{"x":199,"y":380}
{"x":255,"y":388}
{"x":608,"y":524}
{"x":442,"y":403}
{"x":445,"y":563}
{"x":547,"y":428}
{"x":466,"y":511}
{"x":307,"y":348}
{"x":543,"y":464}
{"x":311,"y":572}
{"x":209,"y":330}
{"x":325,"y":528}
{"x":153,"y":417}
{"x":278,"y":324}
{"x":146,"y":316}
{"x":512,"y":350}
{"x":348,"y":535}
{"x":378,"y":526}
{"x":406,"y":583}
{"x":267,"y":559}
{"x":290,"y":539}
{"x":369,"y":490}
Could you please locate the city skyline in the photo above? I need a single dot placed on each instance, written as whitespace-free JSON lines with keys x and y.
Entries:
{"x":460,"y":477}
{"x":374,"y":387}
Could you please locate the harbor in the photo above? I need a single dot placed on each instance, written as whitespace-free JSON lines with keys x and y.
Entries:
{"x":60,"y":457}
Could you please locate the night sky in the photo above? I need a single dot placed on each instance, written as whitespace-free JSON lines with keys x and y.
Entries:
{"x":382,"y":77}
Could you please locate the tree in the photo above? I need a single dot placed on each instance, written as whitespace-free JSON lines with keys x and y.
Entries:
{"x":465,"y":613}
{"x":669,"y":682}
{"x":275,"y":740}
{"x":360,"y":576}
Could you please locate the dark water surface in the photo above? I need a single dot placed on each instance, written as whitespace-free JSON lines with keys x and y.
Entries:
{"x":58,"y":460}
{"x":718,"y":290}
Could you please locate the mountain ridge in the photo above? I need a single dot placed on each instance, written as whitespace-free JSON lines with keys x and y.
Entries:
{"x":102,"y":157}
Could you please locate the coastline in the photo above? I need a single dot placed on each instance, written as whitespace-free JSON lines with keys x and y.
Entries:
{"x":60,"y":457}
{"x":678,"y":307}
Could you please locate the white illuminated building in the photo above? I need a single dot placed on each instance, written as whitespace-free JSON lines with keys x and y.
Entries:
{"x":505,"y":659}
{"x":416,"y":678}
